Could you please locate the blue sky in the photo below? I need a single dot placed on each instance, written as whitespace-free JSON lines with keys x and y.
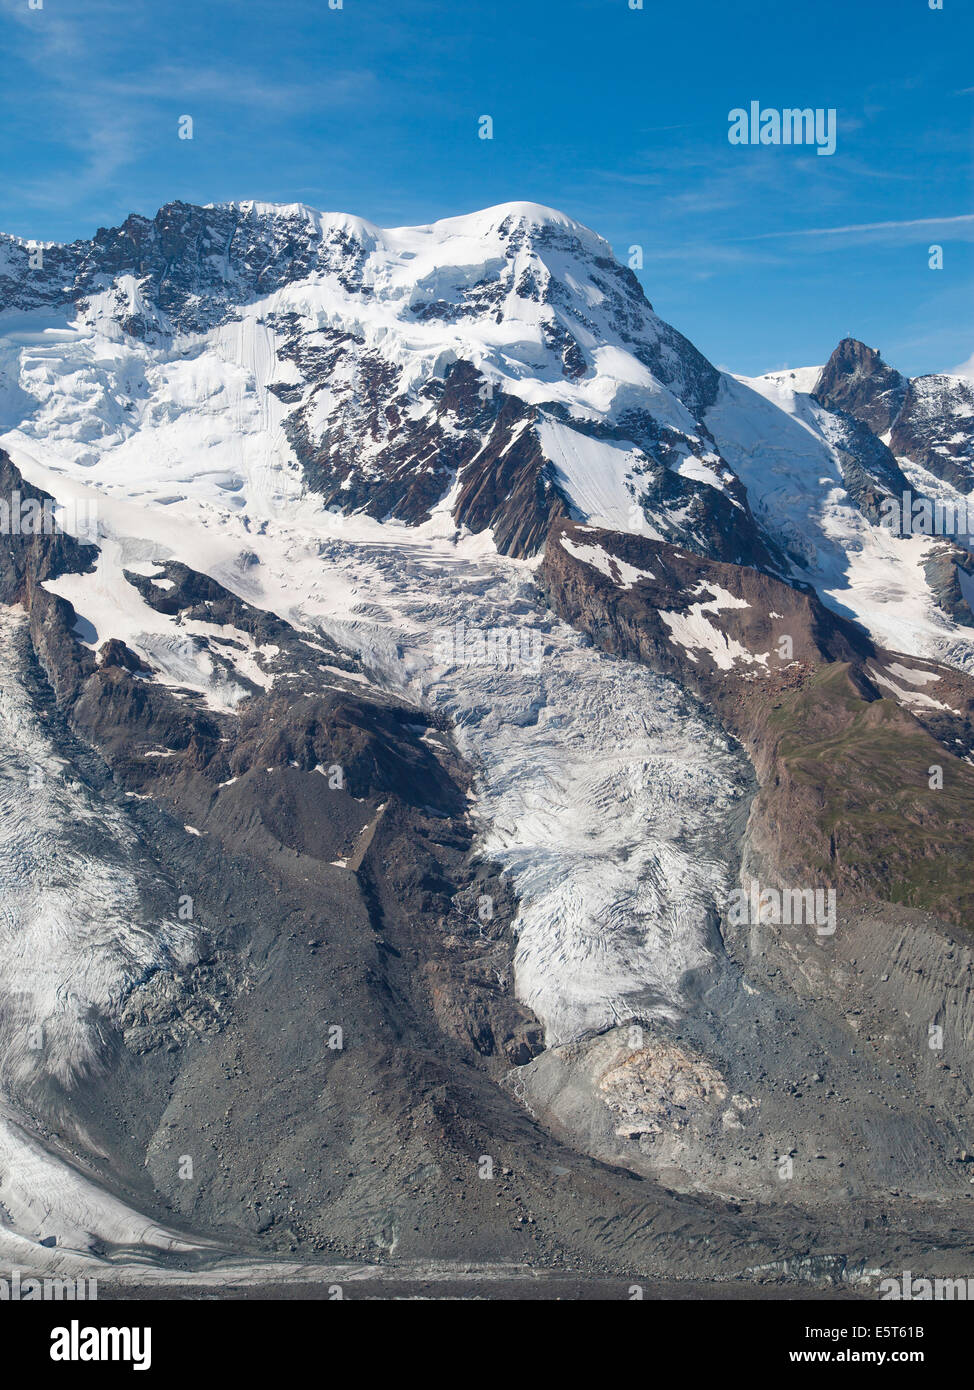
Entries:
{"x":763,"y":256}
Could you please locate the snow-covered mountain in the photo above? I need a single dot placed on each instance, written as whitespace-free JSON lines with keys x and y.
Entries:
{"x":817,"y":477}
{"x":415,"y":614}
{"x":503,"y":364}
{"x":371,"y":366}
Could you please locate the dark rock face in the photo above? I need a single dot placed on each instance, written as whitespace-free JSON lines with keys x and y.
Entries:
{"x":509,"y":485}
{"x":27,"y":560}
{"x":192,"y":263}
{"x":930,"y":419}
{"x":411,"y":463}
{"x":115,"y":653}
{"x":942,"y":570}
{"x":857,"y":381}
{"x":628,"y":621}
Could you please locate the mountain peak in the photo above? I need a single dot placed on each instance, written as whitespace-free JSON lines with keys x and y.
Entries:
{"x":319,"y":223}
{"x":506,"y":216}
{"x":853,"y":354}
{"x":486,"y":222}
{"x":857,"y":380}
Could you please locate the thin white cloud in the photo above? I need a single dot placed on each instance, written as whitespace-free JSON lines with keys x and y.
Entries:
{"x":966,"y":218}
{"x":235,"y":85}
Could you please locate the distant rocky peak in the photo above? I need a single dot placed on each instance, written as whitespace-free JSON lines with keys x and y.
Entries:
{"x":857,"y":380}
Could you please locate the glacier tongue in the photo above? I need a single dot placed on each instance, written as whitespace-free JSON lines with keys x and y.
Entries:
{"x":607,"y":814}
{"x":601,"y":790}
